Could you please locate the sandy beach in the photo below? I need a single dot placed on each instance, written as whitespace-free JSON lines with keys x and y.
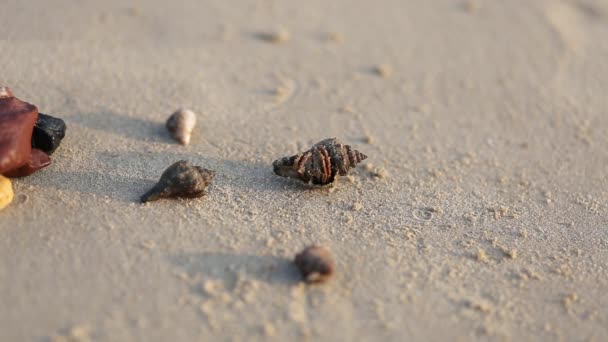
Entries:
{"x":480,"y":213}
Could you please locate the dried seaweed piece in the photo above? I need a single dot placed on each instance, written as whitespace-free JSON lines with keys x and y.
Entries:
{"x":321,"y":164}
{"x":181,"y":179}
{"x":6,"y":192}
{"x":181,"y":124}
{"x":48,"y":133}
{"x":315,"y":264}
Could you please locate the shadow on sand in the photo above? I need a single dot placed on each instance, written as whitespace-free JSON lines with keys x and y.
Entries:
{"x":123,"y":125}
{"x":230,"y":268}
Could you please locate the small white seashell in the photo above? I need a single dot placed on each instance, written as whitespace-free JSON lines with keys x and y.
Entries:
{"x":181,"y":124}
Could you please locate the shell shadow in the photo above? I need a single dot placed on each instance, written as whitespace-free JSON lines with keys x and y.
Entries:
{"x":126,"y":126}
{"x":260,"y":177}
{"x":119,"y":188}
{"x":127,"y":181}
{"x":230,"y":173}
{"x":229,"y":269}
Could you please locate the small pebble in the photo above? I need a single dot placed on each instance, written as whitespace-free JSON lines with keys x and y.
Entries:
{"x":336,"y":37}
{"x":280,"y":36}
{"x":181,"y":179}
{"x":22,"y":198}
{"x":48,"y":133}
{"x":481,"y":255}
{"x":347,"y":109}
{"x":384,"y":70}
{"x":510,"y":253}
{"x":471,"y":6}
{"x":315,"y":264}
{"x":6,"y":192}
{"x":269,"y":330}
{"x":569,"y":300}
{"x":181,"y":124}
{"x":379,"y":172}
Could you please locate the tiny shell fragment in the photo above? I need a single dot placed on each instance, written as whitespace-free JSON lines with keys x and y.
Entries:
{"x":315,"y":264}
{"x":181,"y":179}
{"x":181,"y":124}
{"x":6,"y":192}
{"x":321,"y":164}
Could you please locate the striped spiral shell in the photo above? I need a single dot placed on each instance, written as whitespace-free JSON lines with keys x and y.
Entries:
{"x":321,"y":164}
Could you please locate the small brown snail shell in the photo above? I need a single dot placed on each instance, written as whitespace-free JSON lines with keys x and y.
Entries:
{"x":181,"y":124}
{"x":321,"y":164}
{"x":181,"y":179}
{"x":315,"y":264}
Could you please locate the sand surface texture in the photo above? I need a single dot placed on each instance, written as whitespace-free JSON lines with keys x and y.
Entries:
{"x":480,"y":213}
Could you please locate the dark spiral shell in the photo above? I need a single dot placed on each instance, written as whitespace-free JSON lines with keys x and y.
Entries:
{"x":316,"y":264}
{"x":181,"y":179}
{"x":321,"y":164}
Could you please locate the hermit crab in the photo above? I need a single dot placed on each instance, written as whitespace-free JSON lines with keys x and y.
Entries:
{"x":182,"y":179}
{"x":321,"y":164}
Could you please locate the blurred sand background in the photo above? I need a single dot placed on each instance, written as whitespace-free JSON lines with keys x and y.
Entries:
{"x":480,"y":214}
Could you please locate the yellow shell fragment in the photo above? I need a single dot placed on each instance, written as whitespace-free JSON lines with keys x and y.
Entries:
{"x":6,"y":192}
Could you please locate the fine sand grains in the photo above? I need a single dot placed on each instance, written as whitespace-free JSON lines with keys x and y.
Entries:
{"x":477,"y":215}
